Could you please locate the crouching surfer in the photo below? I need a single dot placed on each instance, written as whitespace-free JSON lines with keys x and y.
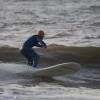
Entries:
{"x":28,"y":51}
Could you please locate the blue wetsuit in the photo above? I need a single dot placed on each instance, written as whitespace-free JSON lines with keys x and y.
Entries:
{"x":28,"y":51}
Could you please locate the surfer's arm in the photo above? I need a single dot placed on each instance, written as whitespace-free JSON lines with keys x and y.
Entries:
{"x":41,"y":44}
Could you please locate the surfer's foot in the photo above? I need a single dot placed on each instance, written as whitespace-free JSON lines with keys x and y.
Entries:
{"x":34,"y":66}
{"x":30,"y":63}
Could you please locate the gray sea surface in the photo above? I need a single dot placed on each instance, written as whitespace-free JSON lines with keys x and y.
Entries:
{"x":72,"y":23}
{"x":67,"y":22}
{"x":85,"y":84}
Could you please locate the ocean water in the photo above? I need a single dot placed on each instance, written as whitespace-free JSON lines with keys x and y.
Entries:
{"x":17,"y":83}
{"x":84,"y":84}
{"x":67,"y":22}
{"x":72,"y":31}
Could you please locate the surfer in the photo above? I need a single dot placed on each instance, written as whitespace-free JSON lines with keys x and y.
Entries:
{"x":28,"y":51}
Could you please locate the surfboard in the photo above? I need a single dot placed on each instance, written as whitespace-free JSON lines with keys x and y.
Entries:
{"x":57,"y":70}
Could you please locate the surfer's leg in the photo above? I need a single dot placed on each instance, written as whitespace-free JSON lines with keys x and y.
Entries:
{"x":26,"y":54}
{"x":31,"y":56}
{"x":35,"y":59}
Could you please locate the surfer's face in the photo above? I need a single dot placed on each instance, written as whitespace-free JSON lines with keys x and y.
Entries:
{"x":41,"y":34}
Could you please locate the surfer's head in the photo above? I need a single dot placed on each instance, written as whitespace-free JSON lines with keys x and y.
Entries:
{"x":41,"y":34}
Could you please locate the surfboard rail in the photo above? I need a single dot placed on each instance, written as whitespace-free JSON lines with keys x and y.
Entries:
{"x":57,"y":70}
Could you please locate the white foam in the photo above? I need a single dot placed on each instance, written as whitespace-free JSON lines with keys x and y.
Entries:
{"x":15,"y":68}
{"x":50,"y":91}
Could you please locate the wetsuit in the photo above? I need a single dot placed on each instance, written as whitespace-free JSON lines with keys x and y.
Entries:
{"x":29,"y":52}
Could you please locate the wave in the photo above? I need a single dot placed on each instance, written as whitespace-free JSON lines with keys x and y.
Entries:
{"x":95,"y":7}
{"x":97,"y":24}
{"x":56,"y":54}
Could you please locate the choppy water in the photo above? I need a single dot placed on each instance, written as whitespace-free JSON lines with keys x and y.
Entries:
{"x":74,"y":23}
{"x":68,"y":22}
{"x":84,"y":84}
{"x":79,"y":86}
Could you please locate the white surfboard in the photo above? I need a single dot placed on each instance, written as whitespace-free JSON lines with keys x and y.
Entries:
{"x":57,"y":70}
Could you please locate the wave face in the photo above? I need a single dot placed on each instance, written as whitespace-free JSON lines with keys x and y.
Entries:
{"x":56,"y":54}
